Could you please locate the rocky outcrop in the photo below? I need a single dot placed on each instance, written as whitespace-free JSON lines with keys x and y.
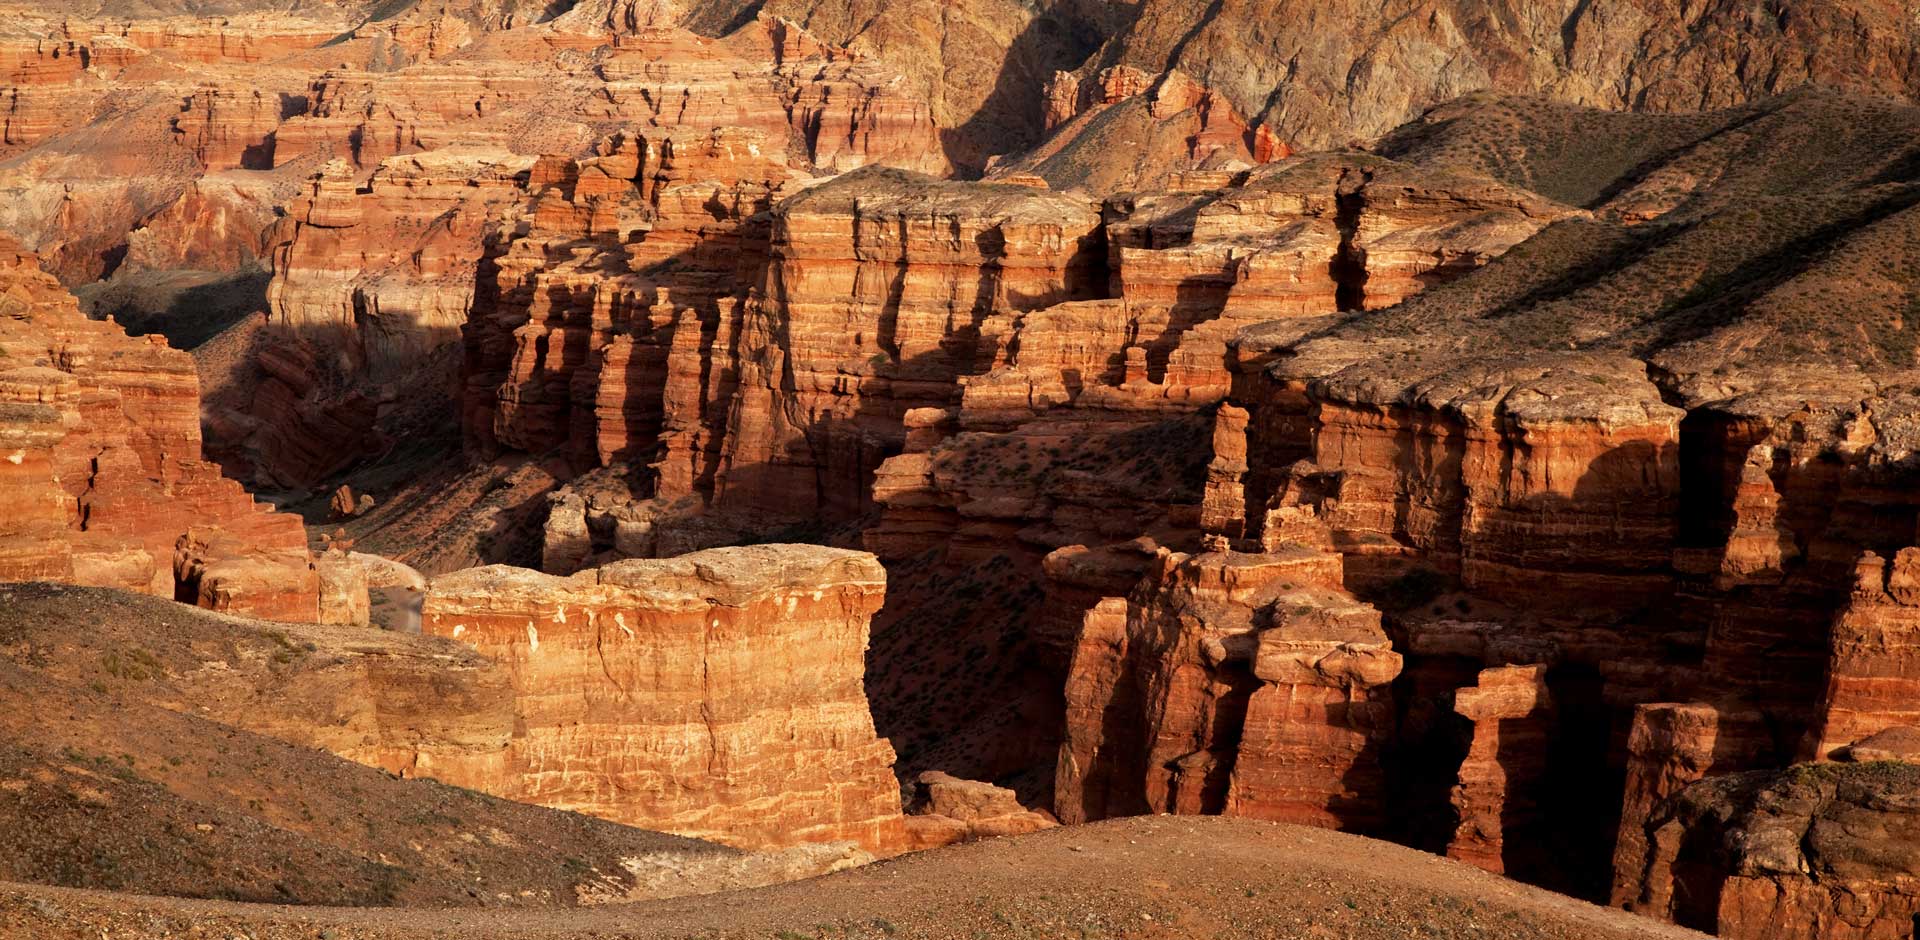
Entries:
{"x":1244,"y":684}
{"x":717,"y":693}
{"x":104,"y":475}
{"x":380,"y":274}
{"x":1125,"y":130}
{"x":1873,"y":662}
{"x":1322,"y":74}
{"x":945,"y":810}
{"x":1670,"y":747}
{"x":767,"y":407}
{"x":371,"y":284}
{"x":1823,"y":850}
{"x":1511,"y":711}
{"x":925,"y":263}
{"x":1189,"y":270}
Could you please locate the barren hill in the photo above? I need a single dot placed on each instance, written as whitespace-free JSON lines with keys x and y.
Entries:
{"x":1151,"y":877}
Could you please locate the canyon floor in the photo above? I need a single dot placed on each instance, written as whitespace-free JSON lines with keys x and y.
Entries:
{"x":1145,"y":877}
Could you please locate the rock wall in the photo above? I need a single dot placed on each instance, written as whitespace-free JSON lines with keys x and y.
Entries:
{"x":716,"y":694}
{"x":1816,"y":850}
{"x":1871,"y":668}
{"x":104,"y":472}
{"x":1244,"y":684}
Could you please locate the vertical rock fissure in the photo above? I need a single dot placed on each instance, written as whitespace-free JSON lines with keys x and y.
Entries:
{"x":706,"y":694}
{"x":599,"y":649}
{"x":1349,"y":265}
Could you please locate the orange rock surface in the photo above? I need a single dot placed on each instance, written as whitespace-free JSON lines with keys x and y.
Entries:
{"x":1874,"y":662}
{"x":1511,"y":711}
{"x":945,"y":809}
{"x":716,"y":694}
{"x":1244,"y":684}
{"x":104,"y":475}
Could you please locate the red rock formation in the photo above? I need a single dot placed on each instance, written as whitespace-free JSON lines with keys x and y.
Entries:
{"x":945,"y":810}
{"x":380,"y":272}
{"x":1512,"y":716}
{"x":578,"y":345}
{"x":716,"y":694}
{"x":105,"y":475}
{"x":1245,"y":684}
{"x":1089,"y":425}
{"x":221,"y":222}
{"x":230,"y":128}
{"x":1874,"y":662}
{"x":1670,"y":747}
{"x":1127,"y":130}
{"x":924,"y":263}
{"x":1813,"y":851}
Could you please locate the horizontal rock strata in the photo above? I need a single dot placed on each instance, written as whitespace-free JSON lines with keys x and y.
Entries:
{"x":715,"y":694}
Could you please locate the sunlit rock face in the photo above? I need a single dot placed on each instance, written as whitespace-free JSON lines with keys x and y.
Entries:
{"x":101,"y":464}
{"x":717,"y":694}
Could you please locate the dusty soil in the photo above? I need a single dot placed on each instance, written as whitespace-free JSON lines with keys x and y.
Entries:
{"x":1149,"y":877}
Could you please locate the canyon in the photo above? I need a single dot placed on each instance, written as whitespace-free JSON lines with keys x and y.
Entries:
{"x":1490,"y":431}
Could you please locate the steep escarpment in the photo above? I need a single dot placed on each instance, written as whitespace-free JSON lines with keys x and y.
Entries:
{"x":104,"y":478}
{"x":1092,"y":435}
{"x":1250,"y":685}
{"x":1606,"y":467}
{"x":1656,"y":450}
{"x":715,"y":694}
{"x":370,"y":287}
{"x":762,"y":407}
{"x":378,"y":267}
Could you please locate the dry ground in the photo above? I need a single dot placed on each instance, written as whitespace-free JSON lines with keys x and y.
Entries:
{"x":1148,"y":877}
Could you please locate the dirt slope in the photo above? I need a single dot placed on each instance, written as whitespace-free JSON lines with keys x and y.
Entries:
{"x":97,"y":791}
{"x":1148,"y":877}
{"x":151,"y":747}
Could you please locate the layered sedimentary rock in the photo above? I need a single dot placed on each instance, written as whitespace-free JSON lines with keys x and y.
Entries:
{"x":144,"y":107}
{"x":1670,"y":747}
{"x":371,"y":284}
{"x":715,"y":128}
{"x":876,"y":285}
{"x":1511,"y":711}
{"x":1872,"y":665}
{"x":1666,"y":497}
{"x":766,"y":76}
{"x":715,"y":694}
{"x":1244,"y":684}
{"x":1321,"y":74}
{"x":104,"y":473}
{"x":1090,"y":423}
{"x":1123,"y":129}
{"x":1823,"y":850}
{"x":770,"y":406}
{"x":571,"y":347}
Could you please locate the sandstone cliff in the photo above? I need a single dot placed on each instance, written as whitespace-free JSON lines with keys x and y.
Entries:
{"x":717,"y":693}
{"x":104,"y":475}
{"x":1244,"y":684}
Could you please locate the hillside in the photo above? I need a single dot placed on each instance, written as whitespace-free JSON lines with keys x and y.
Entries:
{"x":1154,"y":877}
{"x":148,"y":747}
